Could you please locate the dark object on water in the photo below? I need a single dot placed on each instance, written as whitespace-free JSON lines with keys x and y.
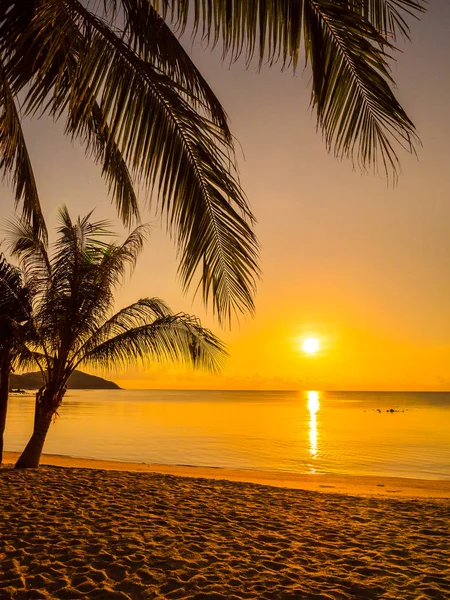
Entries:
{"x":17,"y":391}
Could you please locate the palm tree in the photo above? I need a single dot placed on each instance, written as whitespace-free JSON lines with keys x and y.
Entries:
{"x":14,"y":315}
{"x":116,"y":72}
{"x":71,"y":294}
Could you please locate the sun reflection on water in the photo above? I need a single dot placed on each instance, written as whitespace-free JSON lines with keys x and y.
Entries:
{"x":313,"y":407}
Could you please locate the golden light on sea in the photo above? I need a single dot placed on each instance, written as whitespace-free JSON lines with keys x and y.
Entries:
{"x":313,"y":407}
{"x":313,"y":402}
{"x":310,"y":345}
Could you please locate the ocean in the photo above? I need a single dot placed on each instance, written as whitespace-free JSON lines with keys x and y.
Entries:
{"x":354,"y":433}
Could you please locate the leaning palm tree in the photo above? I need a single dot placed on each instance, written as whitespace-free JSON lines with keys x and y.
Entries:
{"x":116,"y":72}
{"x":14,"y":324}
{"x":71,"y":294}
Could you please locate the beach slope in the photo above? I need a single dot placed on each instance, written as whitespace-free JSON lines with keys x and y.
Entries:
{"x":68,"y":533}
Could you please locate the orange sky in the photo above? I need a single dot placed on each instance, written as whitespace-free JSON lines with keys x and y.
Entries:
{"x":363,"y":267}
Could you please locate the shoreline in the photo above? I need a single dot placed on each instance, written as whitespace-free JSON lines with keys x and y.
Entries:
{"x":352,"y":485}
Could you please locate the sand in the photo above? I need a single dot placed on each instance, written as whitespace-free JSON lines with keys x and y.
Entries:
{"x":344,"y":484}
{"x":69,"y":533}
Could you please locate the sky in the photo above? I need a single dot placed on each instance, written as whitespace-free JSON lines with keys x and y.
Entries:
{"x":359,"y":265}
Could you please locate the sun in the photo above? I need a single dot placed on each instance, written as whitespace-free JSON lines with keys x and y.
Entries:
{"x":310,"y":345}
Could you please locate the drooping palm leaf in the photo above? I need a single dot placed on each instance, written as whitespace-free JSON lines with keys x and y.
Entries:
{"x":11,"y":291}
{"x":389,"y":16}
{"x":146,"y":310}
{"x":184,"y":155}
{"x":32,"y":249}
{"x":114,"y":168}
{"x":131,"y":94}
{"x":55,"y":67}
{"x":152,"y":39}
{"x":27,"y":360}
{"x":273,"y":29}
{"x":356,"y":108}
{"x":14,"y":156}
{"x":16,"y":315}
{"x":346,"y":42}
{"x":174,"y":338}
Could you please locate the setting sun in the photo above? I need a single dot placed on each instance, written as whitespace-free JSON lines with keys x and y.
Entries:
{"x":310,"y":345}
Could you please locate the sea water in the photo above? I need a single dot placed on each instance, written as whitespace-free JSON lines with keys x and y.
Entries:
{"x":360,"y":433}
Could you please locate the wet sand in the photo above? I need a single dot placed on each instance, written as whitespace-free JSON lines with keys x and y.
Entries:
{"x":343,"y":484}
{"x":69,"y":533}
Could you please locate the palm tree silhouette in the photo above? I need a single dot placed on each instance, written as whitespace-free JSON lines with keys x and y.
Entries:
{"x":15,"y":311}
{"x":71,"y":295}
{"x":116,"y":72}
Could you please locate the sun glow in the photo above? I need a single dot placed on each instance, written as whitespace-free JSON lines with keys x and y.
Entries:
{"x":310,"y":345}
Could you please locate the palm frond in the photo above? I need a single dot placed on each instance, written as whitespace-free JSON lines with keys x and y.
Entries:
{"x":389,"y":16}
{"x":174,"y":338}
{"x":108,"y":272}
{"x":105,"y":271}
{"x":114,"y":168}
{"x":86,"y":270}
{"x":16,"y":317}
{"x":142,"y":312}
{"x":128,"y":90}
{"x":84,"y":237}
{"x":25,"y":359}
{"x":57,"y":71}
{"x":89,"y":126}
{"x":346,"y":43}
{"x":151,"y":39}
{"x":121,"y":257}
{"x":78,"y":245}
{"x":32,"y":251}
{"x":163,"y":140}
{"x":13,"y":299}
{"x":356,"y":108}
{"x":273,"y":30}
{"x":14,"y":157}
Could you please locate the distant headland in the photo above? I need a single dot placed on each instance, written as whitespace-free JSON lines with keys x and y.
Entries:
{"x":77,"y":381}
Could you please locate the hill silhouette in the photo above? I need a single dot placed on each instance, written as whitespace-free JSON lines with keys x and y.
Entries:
{"x":77,"y":381}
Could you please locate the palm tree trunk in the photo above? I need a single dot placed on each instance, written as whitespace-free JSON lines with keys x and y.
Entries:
{"x":47,"y":403}
{"x":31,"y":456}
{"x":5,"y":368}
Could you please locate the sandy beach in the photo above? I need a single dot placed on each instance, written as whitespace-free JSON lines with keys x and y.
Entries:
{"x":69,"y":532}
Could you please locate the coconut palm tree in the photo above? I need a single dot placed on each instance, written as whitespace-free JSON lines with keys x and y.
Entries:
{"x":117,"y":74}
{"x":71,"y":294}
{"x":14,"y":320}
